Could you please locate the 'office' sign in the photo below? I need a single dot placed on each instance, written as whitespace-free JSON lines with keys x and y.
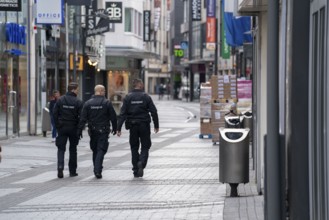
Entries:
{"x":50,"y":12}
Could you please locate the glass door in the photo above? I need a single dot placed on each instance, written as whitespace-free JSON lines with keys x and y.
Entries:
{"x":12,"y":97}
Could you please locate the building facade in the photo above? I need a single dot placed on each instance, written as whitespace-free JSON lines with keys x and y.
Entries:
{"x":14,"y":106}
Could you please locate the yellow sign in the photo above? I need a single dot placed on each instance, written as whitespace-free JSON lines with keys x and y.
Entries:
{"x":79,"y":62}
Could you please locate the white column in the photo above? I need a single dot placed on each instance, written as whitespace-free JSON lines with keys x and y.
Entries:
{"x":32,"y":72}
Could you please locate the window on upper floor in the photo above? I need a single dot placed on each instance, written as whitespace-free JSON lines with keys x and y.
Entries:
{"x":133,"y":21}
{"x":128,"y":19}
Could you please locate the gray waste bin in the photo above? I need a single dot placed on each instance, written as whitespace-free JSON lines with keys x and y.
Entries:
{"x":247,"y":122}
{"x":46,"y":122}
{"x":234,"y":157}
{"x":233,"y":121}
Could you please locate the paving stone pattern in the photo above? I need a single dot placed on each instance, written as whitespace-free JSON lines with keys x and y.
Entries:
{"x":180,"y":181}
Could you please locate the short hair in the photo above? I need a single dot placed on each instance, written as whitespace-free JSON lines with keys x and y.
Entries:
{"x":136,"y":82}
{"x":72,"y":86}
{"x":55,"y":91}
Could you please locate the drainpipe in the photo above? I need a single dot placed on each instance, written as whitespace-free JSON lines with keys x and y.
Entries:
{"x":273,"y":195}
{"x":190,"y":38}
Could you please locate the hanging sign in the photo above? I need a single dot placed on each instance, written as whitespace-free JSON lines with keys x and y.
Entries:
{"x":50,"y":12}
{"x":147,"y":25}
{"x":196,"y":10}
{"x":114,"y":11}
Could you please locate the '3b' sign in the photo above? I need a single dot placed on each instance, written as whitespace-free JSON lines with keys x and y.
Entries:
{"x":114,"y":11}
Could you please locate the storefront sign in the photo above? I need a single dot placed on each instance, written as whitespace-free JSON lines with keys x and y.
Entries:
{"x":78,"y":62}
{"x":179,"y":53}
{"x":102,"y":27}
{"x":225,"y":48}
{"x":196,"y":10}
{"x":184,"y":45}
{"x":114,"y":11}
{"x":147,"y":25}
{"x":91,"y":19}
{"x":15,"y":33}
{"x":211,"y":8}
{"x":79,"y":2}
{"x":157,"y":14}
{"x":11,"y":5}
{"x":50,"y":12}
{"x":211,"y":30}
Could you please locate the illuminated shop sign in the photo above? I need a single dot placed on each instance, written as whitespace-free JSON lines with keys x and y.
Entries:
{"x":15,"y":33}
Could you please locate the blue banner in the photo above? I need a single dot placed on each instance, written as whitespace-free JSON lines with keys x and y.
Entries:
{"x":237,"y":29}
{"x":211,"y":8}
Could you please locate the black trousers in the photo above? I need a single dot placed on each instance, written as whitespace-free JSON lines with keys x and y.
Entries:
{"x":140,"y":134}
{"x":67,"y":133}
{"x":99,"y":145}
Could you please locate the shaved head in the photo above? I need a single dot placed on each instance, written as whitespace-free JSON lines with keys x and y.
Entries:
{"x":99,"y":90}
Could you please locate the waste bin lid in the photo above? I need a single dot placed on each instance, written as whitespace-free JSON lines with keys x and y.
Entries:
{"x":233,"y":135}
{"x":247,"y":114}
{"x":234,"y":120}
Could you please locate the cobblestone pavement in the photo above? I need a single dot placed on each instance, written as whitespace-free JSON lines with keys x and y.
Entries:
{"x":180,"y":181}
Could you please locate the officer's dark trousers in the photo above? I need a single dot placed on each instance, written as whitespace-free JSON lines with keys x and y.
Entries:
{"x":140,"y":134}
{"x":67,"y":133}
{"x":99,"y":145}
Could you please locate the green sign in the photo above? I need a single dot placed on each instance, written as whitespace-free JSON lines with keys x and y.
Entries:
{"x":179,"y":53}
{"x":225,"y":48}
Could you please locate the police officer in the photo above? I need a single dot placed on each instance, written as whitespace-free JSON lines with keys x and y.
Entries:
{"x":135,"y":112}
{"x":98,"y":112}
{"x":66,"y":114}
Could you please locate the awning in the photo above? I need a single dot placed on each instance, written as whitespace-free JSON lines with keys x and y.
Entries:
{"x":131,"y":53}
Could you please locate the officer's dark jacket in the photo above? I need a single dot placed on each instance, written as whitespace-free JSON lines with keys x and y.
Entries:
{"x":137,"y":106}
{"x":67,"y":110}
{"x":98,"y":112}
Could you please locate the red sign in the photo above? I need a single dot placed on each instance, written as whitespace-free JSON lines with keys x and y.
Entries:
{"x":211,"y":30}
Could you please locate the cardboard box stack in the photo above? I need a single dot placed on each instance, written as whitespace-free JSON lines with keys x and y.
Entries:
{"x":205,"y":110}
{"x":218,"y":112}
{"x":224,"y":98}
{"x":224,"y":87}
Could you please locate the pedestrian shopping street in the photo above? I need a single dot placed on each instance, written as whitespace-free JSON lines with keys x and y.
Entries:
{"x":181,"y":180}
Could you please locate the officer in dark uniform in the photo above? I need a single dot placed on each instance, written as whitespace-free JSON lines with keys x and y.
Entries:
{"x":135,"y":112}
{"x":66,"y":114}
{"x":98,"y":112}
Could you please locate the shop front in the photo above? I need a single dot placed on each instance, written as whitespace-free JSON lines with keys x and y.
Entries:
{"x":13,"y":73}
{"x":120,"y":73}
